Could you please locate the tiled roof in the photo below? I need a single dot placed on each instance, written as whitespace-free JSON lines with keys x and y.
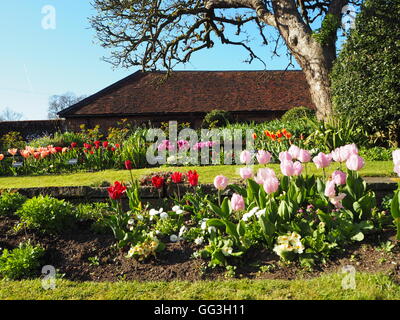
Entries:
{"x":197,"y":91}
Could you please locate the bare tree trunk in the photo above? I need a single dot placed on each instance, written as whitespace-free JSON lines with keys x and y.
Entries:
{"x":315,"y":60}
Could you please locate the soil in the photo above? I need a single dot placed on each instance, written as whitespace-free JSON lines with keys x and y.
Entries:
{"x":73,"y":255}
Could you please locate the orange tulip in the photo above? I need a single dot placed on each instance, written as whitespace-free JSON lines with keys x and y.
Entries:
{"x":254,"y":136}
{"x":13,"y":152}
{"x":1,"y":157}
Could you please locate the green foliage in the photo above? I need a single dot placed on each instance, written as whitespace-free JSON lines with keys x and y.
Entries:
{"x":46,"y":214}
{"x":328,"y":31}
{"x":135,"y":148}
{"x":297,"y":113}
{"x":21,"y":262}
{"x":335,"y":132}
{"x":10,"y":202}
{"x":366,"y":74}
{"x":12,"y":139}
{"x":376,"y":154}
{"x":217,"y":118}
{"x":59,"y":139}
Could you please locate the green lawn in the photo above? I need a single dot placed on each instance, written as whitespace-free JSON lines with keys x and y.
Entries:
{"x":207,"y":174}
{"x":327,"y":287}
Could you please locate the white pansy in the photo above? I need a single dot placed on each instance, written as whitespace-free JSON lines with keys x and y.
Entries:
{"x":289,"y":243}
{"x":260,"y":213}
{"x":163,"y":215}
{"x":176,"y":208}
{"x":182,"y":230}
{"x":178,"y":212}
{"x":140,"y":217}
{"x":174,"y":238}
{"x":247,"y":216}
{"x":158,"y":232}
{"x":153,"y":212}
{"x":227,"y":251}
{"x":211,"y":229}
{"x":204,"y":225}
{"x":131,"y":221}
{"x":199,"y":241}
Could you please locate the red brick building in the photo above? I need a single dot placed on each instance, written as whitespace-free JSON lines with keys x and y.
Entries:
{"x":186,"y":96}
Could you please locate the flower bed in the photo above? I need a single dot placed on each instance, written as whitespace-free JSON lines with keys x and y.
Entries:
{"x":299,"y":220}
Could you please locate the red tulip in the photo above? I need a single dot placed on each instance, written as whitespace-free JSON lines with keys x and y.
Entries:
{"x":73,"y":145}
{"x":176,"y":177}
{"x":87,"y":146}
{"x":116,"y":191}
{"x":128,"y":165}
{"x":193,"y":178}
{"x":112,"y":149}
{"x":58,"y":149}
{"x":97,"y":144}
{"x":105,"y":144}
{"x":157,"y":181}
{"x":117,"y":145}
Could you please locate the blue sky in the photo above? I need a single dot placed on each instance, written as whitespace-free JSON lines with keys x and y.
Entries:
{"x":36,"y":63}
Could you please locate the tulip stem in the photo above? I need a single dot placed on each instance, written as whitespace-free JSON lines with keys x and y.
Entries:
{"x":219,"y":198}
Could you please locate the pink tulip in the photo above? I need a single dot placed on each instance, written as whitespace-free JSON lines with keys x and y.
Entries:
{"x":322,"y":160}
{"x":271,"y":185}
{"x":263,"y":174}
{"x":397,"y":168}
{"x":396,"y":156}
{"x":285,"y":156}
{"x":246,"y":172}
{"x":330,"y":190}
{"x":298,"y":168}
{"x":351,"y":148}
{"x":304,"y":156}
{"x":220,"y":182}
{"x":339,"y":177}
{"x":337,"y":200}
{"x":263,"y":157}
{"x":237,"y":202}
{"x":355,"y":162}
{"x":294,"y":151}
{"x":287,"y":168}
{"x":245,"y":157}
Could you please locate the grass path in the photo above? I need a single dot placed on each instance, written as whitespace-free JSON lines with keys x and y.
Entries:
{"x":207,"y":174}
{"x":327,"y":287}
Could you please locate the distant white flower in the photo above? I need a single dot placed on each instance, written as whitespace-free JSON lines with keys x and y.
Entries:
{"x":163,"y":215}
{"x":176,"y":208}
{"x":204,"y":224}
{"x":153,"y":212}
{"x":131,"y":221}
{"x":140,"y":217}
{"x":260,"y":213}
{"x":182,"y":231}
{"x":173,"y":238}
{"x":227,"y":251}
{"x":158,"y":232}
{"x":211,"y":229}
{"x":199,"y":241}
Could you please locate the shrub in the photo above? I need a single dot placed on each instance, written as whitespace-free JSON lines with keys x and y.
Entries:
{"x":376,"y":154}
{"x":46,"y":214}
{"x":10,"y":202}
{"x":217,"y":118}
{"x":12,"y":139}
{"x":21,"y":262}
{"x":365,"y":75}
{"x":298,"y":113}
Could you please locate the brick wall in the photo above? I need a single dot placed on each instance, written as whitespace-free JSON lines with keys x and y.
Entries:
{"x":32,"y":128}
